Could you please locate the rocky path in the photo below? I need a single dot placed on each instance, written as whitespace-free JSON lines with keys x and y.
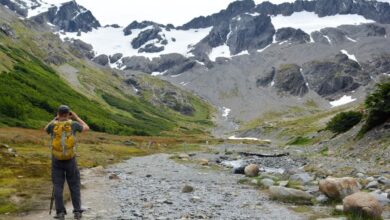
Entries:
{"x":151,"y":188}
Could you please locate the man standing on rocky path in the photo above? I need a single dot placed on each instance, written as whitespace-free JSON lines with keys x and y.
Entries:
{"x":62,"y":130}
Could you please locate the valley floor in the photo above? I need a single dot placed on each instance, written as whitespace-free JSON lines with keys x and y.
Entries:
{"x":150,"y":188}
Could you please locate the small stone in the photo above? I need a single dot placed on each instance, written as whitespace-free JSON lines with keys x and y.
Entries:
{"x":6,"y":146}
{"x":195,"y":199}
{"x":251,"y":170}
{"x":283,"y":183}
{"x":204,"y":162}
{"x":322,"y":198}
{"x":184,"y":156}
{"x":360,"y":175}
{"x":168,"y":202}
{"x":267,"y":183}
{"x":302,"y":178}
{"x":187,"y":189}
{"x":373,"y":184}
{"x":383,"y":180}
{"x":339,"y":208}
{"x":113,"y":176}
{"x":148,"y":176}
{"x":370,"y":179}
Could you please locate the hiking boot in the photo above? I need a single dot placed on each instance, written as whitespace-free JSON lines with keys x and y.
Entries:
{"x":60,"y":216}
{"x":78,"y":215}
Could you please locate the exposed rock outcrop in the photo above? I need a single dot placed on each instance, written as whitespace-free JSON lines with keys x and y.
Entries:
{"x":82,"y":49}
{"x":250,"y":33}
{"x":145,"y":36}
{"x":102,"y":59}
{"x":266,"y":79}
{"x":114,"y":58}
{"x":69,"y":17}
{"x":293,"y":35}
{"x":7,"y":30}
{"x":289,"y":79}
{"x":338,"y":75}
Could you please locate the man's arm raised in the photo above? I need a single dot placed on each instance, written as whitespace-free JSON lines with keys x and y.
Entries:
{"x":79,"y":120}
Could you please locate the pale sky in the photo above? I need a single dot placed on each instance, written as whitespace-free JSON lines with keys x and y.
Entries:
{"x":177,"y":12}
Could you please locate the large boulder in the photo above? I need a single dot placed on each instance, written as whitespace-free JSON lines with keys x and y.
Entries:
{"x":290,"y":195}
{"x":102,"y":59}
{"x":251,"y":170}
{"x":114,"y":58}
{"x":139,"y":63}
{"x":339,"y":188}
{"x":362,"y":204}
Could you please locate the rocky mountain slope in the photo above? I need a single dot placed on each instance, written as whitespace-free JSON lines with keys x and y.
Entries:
{"x":39,"y":72}
{"x":248,"y":59}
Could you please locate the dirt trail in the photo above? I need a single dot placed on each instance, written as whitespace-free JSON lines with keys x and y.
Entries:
{"x":150,"y":188}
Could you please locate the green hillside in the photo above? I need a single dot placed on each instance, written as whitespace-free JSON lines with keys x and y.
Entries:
{"x":31,"y":90}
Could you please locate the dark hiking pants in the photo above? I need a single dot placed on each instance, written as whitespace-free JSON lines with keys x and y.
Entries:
{"x":61,"y":170}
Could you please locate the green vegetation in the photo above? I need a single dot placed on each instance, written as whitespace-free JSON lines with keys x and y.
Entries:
{"x":378,"y":107}
{"x":31,"y":92}
{"x":344,"y":121}
{"x":300,"y":141}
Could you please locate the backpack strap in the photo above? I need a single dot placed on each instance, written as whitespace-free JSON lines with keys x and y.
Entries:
{"x":51,"y":140}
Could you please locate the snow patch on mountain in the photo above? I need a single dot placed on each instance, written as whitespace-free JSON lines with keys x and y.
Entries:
{"x":220,"y":51}
{"x":110,"y":40}
{"x":225,"y":112}
{"x":350,"y":56}
{"x":37,"y":7}
{"x":342,"y":101}
{"x":310,"y":22}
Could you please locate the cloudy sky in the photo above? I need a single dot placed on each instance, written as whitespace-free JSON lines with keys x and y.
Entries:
{"x":177,"y":12}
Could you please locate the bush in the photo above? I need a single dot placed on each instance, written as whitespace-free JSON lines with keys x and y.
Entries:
{"x":344,"y":121}
{"x":377,"y":107}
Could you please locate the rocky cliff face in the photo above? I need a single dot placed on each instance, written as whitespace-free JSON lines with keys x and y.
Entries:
{"x":243,"y":54}
{"x":69,"y":17}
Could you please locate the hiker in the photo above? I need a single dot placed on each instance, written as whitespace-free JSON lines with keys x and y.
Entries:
{"x":62,"y":130}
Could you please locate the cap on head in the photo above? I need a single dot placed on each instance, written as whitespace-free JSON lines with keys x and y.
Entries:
{"x":63,"y":109}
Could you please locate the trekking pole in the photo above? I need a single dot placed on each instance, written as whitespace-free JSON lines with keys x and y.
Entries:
{"x":51,"y":200}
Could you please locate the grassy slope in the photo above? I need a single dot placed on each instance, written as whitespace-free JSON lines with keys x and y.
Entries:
{"x":33,"y":90}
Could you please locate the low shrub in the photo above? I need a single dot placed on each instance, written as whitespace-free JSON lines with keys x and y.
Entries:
{"x":344,"y":121}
